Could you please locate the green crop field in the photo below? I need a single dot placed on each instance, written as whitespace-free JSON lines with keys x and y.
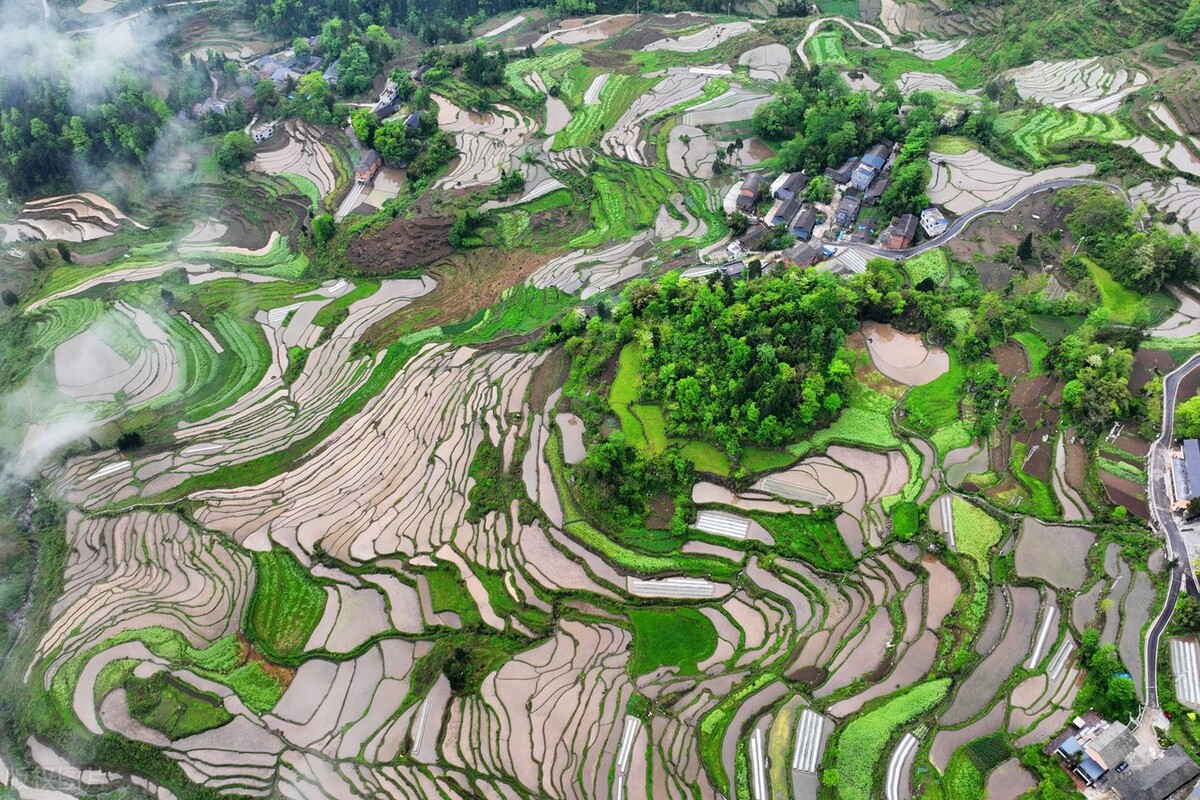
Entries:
{"x":286,"y":605}
{"x":1035,"y":351}
{"x":826,"y":48}
{"x":588,"y":121}
{"x":932,"y":265}
{"x":812,"y":539}
{"x":1122,"y":304}
{"x":936,"y":403}
{"x":175,"y":709}
{"x":670,"y":637}
{"x":860,"y":748}
{"x":975,"y":532}
{"x":1042,"y":135}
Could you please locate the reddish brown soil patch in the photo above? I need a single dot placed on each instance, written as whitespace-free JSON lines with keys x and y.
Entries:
{"x":1038,"y":462}
{"x":1147,"y":364}
{"x":988,"y":234}
{"x":810,"y":676}
{"x":467,"y":283}
{"x":998,"y":453}
{"x":247,"y":653}
{"x":1126,"y":493}
{"x":1134,"y":445}
{"x":549,"y":376}
{"x":1076,"y":464}
{"x":403,"y":243}
{"x":1011,"y":360}
{"x":662,"y":510}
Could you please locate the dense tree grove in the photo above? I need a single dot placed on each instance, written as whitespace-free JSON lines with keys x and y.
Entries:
{"x":42,"y":130}
{"x":746,"y":361}
{"x":1103,"y":224}
{"x":825,"y":123}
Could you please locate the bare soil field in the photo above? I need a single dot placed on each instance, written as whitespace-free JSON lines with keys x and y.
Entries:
{"x":1147,"y":364}
{"x":466,"y":283}
{"x":402,"y":244}
{"x":1126,"y":493}
{"x":1011,"y":360}
{"x":995,"y":230}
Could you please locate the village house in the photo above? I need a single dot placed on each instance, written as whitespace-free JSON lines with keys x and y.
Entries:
{"x":754,"y":237}
{"x":262,"y":132}
{"x":789,"y":185}
{"x":876,"y":190}
{"x":784,"y":213}
{"x":803,"y":255}
{"x":1159,"y":779}
{"x":847,"y":210}
{"x":1096,"y":749}
{"x":804,"y":223}
{"x":900,"y":233}
{"x":747,"y":200}
{"x":933,"y":222}
{"x":367,"y":168}
{"x":842,"y":174}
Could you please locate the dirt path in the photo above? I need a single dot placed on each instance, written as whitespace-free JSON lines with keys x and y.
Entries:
{"x":816,"y":24}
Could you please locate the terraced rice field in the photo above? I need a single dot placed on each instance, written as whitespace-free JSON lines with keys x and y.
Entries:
{"x":1042,"y":135}
{"x":826,"y":48}
{"x":965,"y":181}
{"x":1091,"y":85}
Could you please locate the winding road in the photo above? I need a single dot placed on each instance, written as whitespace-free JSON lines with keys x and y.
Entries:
{"x":956,"y":227}
{"x":1164,"y":519}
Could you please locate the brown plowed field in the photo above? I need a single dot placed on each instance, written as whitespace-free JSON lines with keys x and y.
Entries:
{"x":1145,"y":363}
{"x":1011,"y":360}
{"x":1126,"y":493}
{"x":402,"y":244}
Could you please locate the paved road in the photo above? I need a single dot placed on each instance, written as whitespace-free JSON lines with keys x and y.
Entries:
{"x":956,"y":227}
{"x":1182,"y":574}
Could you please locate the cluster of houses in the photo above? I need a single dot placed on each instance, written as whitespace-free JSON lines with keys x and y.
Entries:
{"x":281,"y":67}
{"x":866,"y":179}
{"x":1108,"y":756}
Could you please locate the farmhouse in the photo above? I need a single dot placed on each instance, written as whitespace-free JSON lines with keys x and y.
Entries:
{"x":900,"y":233}
{"x":367,"y":168}
{"x":789,"y":185}
{"x":863,"y":176}
{"x":754,"y":237}
{"x":876,"y":190}
{"x":847,"y":210}
{"x":1159,"y":779}
{"x":1096,"y":749}
{"x":804,"y":222}
{"x":747,"y":199}
{"x":842,"y":174}
{"x":262,"y":133}
{"x":784,"y":213}
{"x":933,"y":222}
{"x":1185,"y":472}
{"x":803,"y":255}
{"x":877,"y":156}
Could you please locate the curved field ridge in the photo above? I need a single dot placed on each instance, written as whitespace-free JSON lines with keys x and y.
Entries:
{"x":255,"y":413}
{"x":79,"y":217}
{"x":139,"y":570}
{"x":1092,"y":85}
{"x":904,"y":357}
{"x":485,"y":141}
{"x":705,"y":39}
{"x":767,"y":63}
{"x":964,"y":182}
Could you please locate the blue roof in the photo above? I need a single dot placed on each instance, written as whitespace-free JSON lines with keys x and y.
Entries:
{"x":1070,"y":747}
{"x":1191,"y":467}
{"x":1093,"y":770}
